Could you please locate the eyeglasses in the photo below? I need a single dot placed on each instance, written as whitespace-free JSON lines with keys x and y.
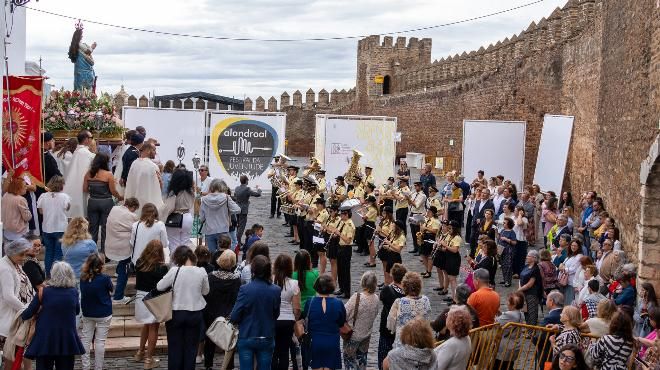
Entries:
{"x":202,"y":170}
{"x":567,"y":358}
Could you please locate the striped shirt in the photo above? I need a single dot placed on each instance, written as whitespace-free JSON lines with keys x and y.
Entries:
{"x":611,"y":352}
{"x":567,"y":336}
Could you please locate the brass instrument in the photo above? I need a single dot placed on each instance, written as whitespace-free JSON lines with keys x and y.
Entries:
{"x":313,"y":168}
{"x":278,"y":179}
{"x":418,"y":235}
{"x":354,"y":172}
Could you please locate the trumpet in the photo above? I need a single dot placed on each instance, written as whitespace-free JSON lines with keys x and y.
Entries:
{"x":418,"y":235}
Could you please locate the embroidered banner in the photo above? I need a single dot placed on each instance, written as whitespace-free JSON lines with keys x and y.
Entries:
{"x":21,"y":135}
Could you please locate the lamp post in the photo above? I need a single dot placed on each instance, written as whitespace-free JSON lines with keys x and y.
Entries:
{"x":181,"y":152}
{"x":98,"y":120}
{"x":196,"y":162}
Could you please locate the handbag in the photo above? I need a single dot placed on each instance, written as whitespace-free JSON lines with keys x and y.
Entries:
{"x":346,"y":331}
{"x":175,"y":220}
{"x":563,"y":279}
{"x":223,"y":333}
{"x":160,"y":303}
{"x":130,"y":268}
{"x":300,"y":326}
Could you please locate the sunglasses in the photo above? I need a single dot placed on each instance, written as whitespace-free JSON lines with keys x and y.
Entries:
{"x":202,"y":170}
{"x":566,"y":357}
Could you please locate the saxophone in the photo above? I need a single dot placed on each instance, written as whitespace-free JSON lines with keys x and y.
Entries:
{"x":354,"y":171}
{"x":418,"y":235}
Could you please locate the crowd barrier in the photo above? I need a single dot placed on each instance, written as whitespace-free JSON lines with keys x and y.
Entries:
{"x":515,"y":346}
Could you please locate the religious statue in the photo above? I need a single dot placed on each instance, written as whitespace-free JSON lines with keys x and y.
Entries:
{"x":81,"y":56}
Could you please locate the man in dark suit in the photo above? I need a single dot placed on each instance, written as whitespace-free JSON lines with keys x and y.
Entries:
{"x":242,"y":195}
{"x":562,"y":228}
{"x":49,"y":162}
{"x":506,"y":194}
{"x":555,"y":303}
{"x":478,"y":216}
{"x":132,"y":153}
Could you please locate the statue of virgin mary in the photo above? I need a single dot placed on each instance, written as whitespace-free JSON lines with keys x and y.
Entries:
{"x":81,"y":56}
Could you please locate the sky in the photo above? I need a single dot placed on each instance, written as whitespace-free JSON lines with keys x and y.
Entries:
{"x":148,"y":63}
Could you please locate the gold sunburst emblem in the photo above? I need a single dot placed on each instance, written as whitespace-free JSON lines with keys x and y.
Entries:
{"x":18,"y":127}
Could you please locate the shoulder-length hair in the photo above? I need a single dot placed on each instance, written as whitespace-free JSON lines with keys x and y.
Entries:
{"x":100,"y":162}
{"x":62,"y":276}
{"x":92,"y":267}
{"x":149,"y":214}
{"x":417,"y":333}
{"x":152,"y":256}
{"x":56,"y":184}
{"x":282,"y":269}
{"x":76,"y":231}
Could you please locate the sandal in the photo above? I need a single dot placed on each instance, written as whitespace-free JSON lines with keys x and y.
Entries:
{"x":370,"y":265}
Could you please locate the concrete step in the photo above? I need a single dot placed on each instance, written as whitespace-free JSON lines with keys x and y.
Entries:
{"x":126,"y":326}
{"x":127,"y":346}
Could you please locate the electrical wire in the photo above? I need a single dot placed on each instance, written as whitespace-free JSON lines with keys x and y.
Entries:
{"x":228,"y":38}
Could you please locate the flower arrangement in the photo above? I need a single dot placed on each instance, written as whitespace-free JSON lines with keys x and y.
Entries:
{"x":77,"y":110}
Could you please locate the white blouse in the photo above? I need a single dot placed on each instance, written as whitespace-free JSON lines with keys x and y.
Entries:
{"x":146,"y":234}
{"x":572,"y":265}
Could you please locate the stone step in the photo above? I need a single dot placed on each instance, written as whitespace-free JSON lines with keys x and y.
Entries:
{"x":126,"y":326}
{"x":127,"y":346}
{"x":120,"y":309}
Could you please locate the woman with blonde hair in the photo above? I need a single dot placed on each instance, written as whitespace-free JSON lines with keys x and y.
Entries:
{"x":148,"y":228}
{"x":571,"y":319}
{"x":416,"y":351}
{"x":454,"y":353}
{"x":77,"y":244}
{"x":149,"y":269}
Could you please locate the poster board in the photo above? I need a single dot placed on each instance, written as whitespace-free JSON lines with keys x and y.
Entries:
{"x":171,"y":127}
{"x":496,"y":147}
{"x":374,"y":136}
{"x":244,"y":143}
{"x":553,"y":152}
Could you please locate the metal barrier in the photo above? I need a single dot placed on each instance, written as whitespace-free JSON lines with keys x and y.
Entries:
{"x":515,"y":346}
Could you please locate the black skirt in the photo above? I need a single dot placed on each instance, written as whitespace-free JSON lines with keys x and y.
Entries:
{"x":393,"y":258}
{"x":333,"y":248}
{"x":439,"y":259}
{"x":452,"y":263}
{"x":320,"y":247}
{"x":427,"y":247}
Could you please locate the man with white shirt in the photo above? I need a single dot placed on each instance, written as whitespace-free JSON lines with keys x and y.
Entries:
{"x":417,"y":201}
{"x":78,"y":167}
{"x":204,"y":180}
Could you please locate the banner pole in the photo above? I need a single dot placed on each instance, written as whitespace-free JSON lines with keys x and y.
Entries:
{"x":11,"y":125}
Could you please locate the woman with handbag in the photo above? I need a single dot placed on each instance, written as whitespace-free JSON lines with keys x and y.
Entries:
{"x":405,"y":309}
{"x":325,"y":316}
{"x":361,"y":311}
{"x":55,"y":342}
{"x":148,"y":228}
{"x":223,"y":291}
{"x":187,"y":323}
{"x":255,"y":313}
{"x":289,"y":310}
{"x":149,"y":270}
{"x":15,"y":291}
{"x":177,"y":208}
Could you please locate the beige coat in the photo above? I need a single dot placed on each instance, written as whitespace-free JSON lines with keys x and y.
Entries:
{"x":118,"y":233}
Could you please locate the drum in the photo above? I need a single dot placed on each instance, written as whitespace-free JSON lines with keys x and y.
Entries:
{"x":416,"y":219}
{"x":354,"y":204}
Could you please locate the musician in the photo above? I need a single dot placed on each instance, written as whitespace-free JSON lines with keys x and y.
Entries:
{"x":307,"y":216}
{"x":428,"y":231}
{"x":321,"y":220}
{"x":417,"y":201}
{"x":394,"y":244}
{"x":291,"y":176}
{"x":357,"y":191}
{"x":338,"y":191}
{"x":401,"y":204}
{"x":368,"y":177}
{"x":385,"y":198}
{"x":296,"y":193}
{"x":369,"y":213}
{"x":344,"y":235}
{"x":320,"y":178}
{"x":383,"y":229}
{"x":369,"y":191}
{"x":433,"y":200}
{"x":279,"y":162}
{"x":438,"y":256}
{"x":332,"y":244}
{"x":452,"y":244}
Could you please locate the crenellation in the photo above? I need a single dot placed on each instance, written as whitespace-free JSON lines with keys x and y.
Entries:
{"x":324,"y":98}
{"x":387,"y":42}
{"x":247,"y":104}
{"x":334,"y":97}
{"x":400,"y":42}
{"x":284,"y":100}
{"x":260,"y":104}
{"x":272,"y":104}
{"x":310,"y":98}
{"x":297,"y":99}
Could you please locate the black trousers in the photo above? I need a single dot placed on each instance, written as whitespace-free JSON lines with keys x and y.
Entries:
{"x":283,"y":335}
{"x":275,"y":202}
{"x":474,"y":239}
{"x":300,"y":226}
{"x":183,"y":334}
{"x":344,"y":268}
{"x":309,"y":244}
{"x":413,"y":232}
{"x":402,"y":215}
{"x":359,"y":235}
{"x":468,"y":228}
{"x":97,"y":213}
{"x":240,"y":228}
{"x":55,"y":362}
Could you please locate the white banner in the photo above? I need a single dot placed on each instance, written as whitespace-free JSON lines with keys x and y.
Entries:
{"x":171,"y":127}
{"x":244,"y":143}
{"x":553,"y":151}
{"x":496,"y":147}
{"x":337,"y":136}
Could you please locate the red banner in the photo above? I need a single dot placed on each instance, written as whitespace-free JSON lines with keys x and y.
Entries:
{"x":21,"y":130}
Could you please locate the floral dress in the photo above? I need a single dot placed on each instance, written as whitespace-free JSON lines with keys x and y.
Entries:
{"x":404,"y":310}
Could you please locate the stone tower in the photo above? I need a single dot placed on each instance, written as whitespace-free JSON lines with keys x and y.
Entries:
{"x":387,"y":59}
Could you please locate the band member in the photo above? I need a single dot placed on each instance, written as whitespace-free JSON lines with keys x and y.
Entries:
{"x":385,"y":192}
{"x":291,"y":176}
{"x":438,"y":257}
{"x":369,"y":190}
{"x":383,"y":229}
{"x":320,"y":178}
{"x":452,"y":244}
{"x":308,"y":214}
{"x":369,"y":215}
{"x":427,"y":233}
{"x":321,"y":220}
{"x":338,"y":191}
{"x":277,"y":167}
{"x":401,"y":197}
{"x":417,"y":201}
{"x":344,"y":235}
{"x":433,"y":200}
{"x":332,"y":244}
{"x":394,"y":244}
{"x":295,"y":195}
{"x":358,"y":189}
{"x":368,"y":177}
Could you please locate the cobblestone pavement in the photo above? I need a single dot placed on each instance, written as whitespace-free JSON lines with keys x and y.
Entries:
{"x":275,"y":235}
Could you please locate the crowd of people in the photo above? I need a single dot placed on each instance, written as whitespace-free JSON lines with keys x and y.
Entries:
{"x":297,"y":309}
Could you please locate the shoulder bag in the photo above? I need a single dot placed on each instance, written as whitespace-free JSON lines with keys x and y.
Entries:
{"x":563,"y":279}
{"x":130,"y":269}
{"x":160,"y":303}
{"x":175,"y":220}
{"x":301,"y":326}
{"x":346,"y":331}
{"x":223,"y":333}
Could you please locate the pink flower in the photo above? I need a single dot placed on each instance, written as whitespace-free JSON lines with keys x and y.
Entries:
{"x":52,"y":119}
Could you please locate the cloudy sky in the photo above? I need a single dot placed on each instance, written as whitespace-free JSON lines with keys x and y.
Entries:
{"x":146,"y":63}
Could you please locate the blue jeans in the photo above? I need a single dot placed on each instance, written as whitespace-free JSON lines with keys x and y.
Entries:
{"x":234,"y":239}
{"x":53,"y":251}
{"x":258,"y":348}
{"x":212,"y":241}
{"x":122,"y":278}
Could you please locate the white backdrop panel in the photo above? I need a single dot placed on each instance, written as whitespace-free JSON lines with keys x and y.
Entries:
{"x":244,"y":143}
{"x":496,"y":147}
{"x":373,"y":136}
{"x":170,"y":127}
{"x":553,"y":152}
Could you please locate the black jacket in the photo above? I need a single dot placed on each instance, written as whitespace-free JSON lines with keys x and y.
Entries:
{"x":50,"y":167}
{"x":479,"y":215}
{"x":127,"y":160}
{"x":223,"y":292}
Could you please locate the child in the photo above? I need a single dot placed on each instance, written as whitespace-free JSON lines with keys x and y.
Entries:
{"x":257,"y":234}
{"x":96,"y":305}
{"x":53,"y":206}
